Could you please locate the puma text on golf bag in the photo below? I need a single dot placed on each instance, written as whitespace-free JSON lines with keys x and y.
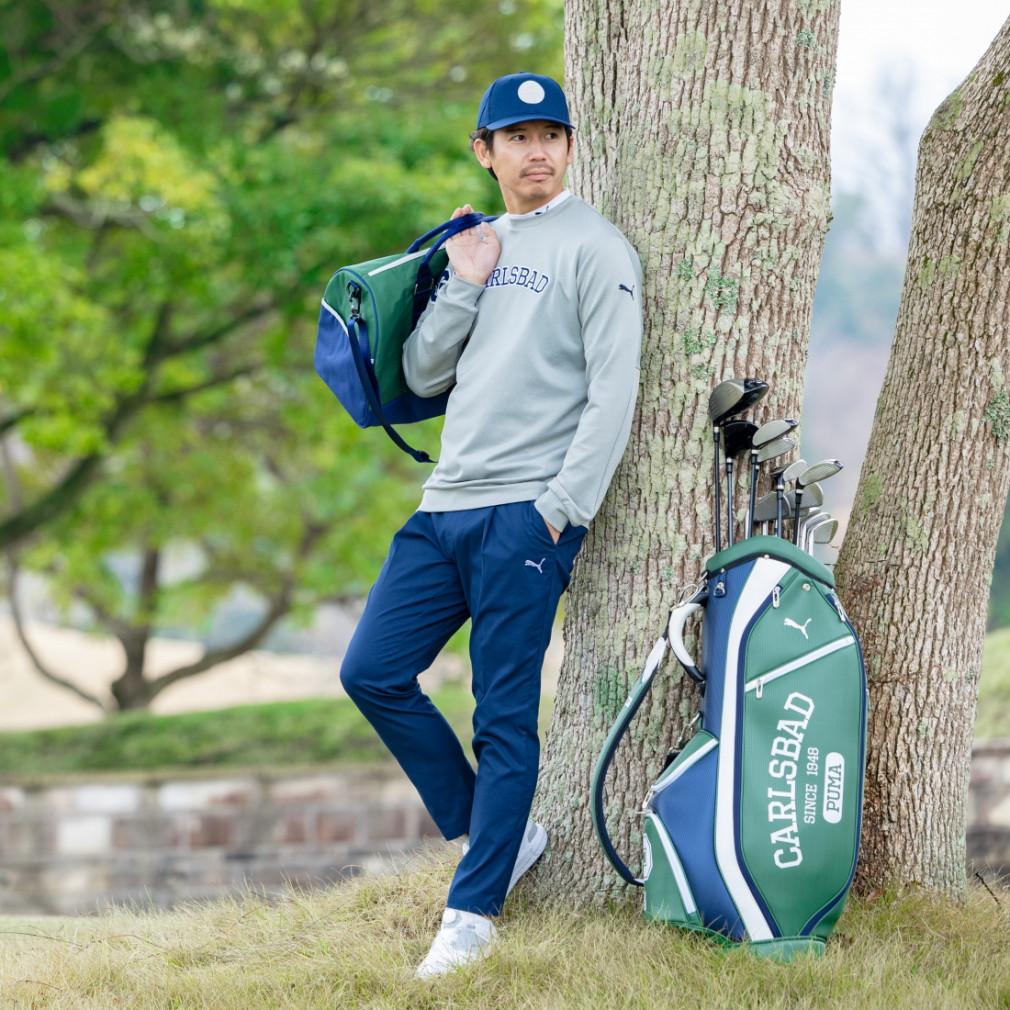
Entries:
{"x":752,"y":832}
{"x":368,"y":311}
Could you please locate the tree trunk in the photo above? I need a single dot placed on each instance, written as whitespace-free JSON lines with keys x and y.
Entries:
{"x":703,"y":133}
{"x":916,"y":564}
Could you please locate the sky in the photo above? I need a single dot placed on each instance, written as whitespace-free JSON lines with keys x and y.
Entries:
{"x":935,"y":44}
{"x":938,"y":41}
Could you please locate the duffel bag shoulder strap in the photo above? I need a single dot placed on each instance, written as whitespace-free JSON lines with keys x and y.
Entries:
{"x":356,"y":332}
{"x":674,"y":638}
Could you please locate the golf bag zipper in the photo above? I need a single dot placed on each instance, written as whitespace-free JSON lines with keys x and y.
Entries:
{"x":757,"y":685}
{"x":776,"y":596}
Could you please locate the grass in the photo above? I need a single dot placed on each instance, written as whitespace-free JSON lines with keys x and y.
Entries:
{"x":994,"y":688}
{"x":357,"y":946}
{"x":316,"y":731}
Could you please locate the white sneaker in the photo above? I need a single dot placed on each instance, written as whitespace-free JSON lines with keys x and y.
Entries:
{"x":530,"y":850}
{"x":463,"y":938}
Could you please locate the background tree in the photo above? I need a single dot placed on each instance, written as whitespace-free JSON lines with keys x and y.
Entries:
{"x":177,"y":183}
{"x":917,"y":560}
{"x":704,"y":134}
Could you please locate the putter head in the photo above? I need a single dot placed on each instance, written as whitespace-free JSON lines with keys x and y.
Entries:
{"x":733,"y":396}
{"x":771,"y":450}
{"x":736,"y":437}
{"x":771,"y":431}
{"x":820,"y":471}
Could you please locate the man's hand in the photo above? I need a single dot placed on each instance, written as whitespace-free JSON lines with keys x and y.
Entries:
{"x":473,"y":253}
{"x":553,"y":532}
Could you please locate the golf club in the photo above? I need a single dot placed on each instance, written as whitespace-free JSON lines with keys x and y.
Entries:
{"x":818,"y":471}
{"x":728,"y":398}
{"x":770,"y":451}
{"x":736,"y":438}
{"x":783,"y":477}
{"x":770,"y":434}
{"x":825,"y":532}
{"x":821,"y":531}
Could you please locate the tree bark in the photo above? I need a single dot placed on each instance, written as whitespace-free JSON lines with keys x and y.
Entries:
{"x":703,"y":133}
{"x":917,"y":560}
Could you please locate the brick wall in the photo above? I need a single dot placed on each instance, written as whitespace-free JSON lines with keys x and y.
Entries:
{"x":989,"y":807}
{"x":67,"y":848}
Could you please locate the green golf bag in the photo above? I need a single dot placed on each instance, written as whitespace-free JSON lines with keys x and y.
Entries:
{"x":752,"y":832}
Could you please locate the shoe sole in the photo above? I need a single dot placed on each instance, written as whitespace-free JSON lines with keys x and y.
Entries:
{"x":528,"y":855}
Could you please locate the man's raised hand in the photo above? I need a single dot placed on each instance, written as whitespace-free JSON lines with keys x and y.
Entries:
{"x":473,"y":253}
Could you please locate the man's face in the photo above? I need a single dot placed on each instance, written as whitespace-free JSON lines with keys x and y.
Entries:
{"x":530,"y":160}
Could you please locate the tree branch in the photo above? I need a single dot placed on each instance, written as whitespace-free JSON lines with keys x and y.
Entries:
{"x":40,"y":667}
{"x":67,"y":490}
{"x":278,"y":608}
{"x":14,"y":419}
{"x":174,"y":395}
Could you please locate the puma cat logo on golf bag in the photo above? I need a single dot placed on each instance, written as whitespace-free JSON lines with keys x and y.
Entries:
{"x":790,"y":623}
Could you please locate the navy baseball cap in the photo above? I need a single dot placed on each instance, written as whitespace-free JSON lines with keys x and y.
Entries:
{"x":519,"y":98}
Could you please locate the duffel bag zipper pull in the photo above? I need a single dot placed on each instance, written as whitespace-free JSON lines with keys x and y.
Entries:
{"x":354,"y":294}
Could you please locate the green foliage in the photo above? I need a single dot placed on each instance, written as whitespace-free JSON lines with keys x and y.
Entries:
{"x":999,"y":594}
{"x":994,"y":688}
{"x":177,"y":183}
{"x":296,"y":733}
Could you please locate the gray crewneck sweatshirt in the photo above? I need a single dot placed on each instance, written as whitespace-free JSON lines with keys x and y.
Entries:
{"x":545,"y":361}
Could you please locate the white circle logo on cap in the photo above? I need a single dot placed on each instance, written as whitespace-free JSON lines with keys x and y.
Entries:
{"x":531,"y":92}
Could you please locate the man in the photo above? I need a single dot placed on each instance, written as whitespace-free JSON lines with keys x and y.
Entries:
{"x":536,"y":326}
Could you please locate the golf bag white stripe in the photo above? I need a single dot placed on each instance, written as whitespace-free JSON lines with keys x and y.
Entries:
{"x":764,"y":577}
{"x":686,"y":895}
{"x":677,"y":771}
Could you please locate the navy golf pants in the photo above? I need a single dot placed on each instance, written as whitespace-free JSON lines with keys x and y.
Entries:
{"x":498,"y":566}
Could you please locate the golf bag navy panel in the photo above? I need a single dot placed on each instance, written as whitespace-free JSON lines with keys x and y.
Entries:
{"x":752,"y":832}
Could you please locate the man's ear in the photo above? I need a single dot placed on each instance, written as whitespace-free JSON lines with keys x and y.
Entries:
{"x":571,"y":149}
{"x":483,"y":153}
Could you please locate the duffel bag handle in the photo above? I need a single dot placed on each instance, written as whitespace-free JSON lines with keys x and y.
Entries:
{"x":447,"y":229}
{"x":441,"y":234}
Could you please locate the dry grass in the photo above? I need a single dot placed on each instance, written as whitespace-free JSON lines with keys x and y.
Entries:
{"x":357,"y":946}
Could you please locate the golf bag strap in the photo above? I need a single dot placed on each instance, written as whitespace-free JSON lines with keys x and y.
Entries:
{"x":638,"y":691}
{"x":674,"y":631}
{"x":356,"y":332}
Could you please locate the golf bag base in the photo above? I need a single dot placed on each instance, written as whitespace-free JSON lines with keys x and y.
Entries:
{"x":751,"y":833}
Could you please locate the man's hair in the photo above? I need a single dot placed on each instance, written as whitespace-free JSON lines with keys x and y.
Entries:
{"x":488,"y":137}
